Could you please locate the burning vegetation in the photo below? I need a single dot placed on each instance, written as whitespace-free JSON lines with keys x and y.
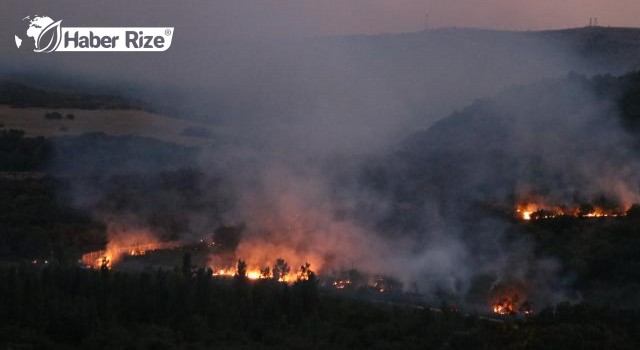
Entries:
{"x":510,"y":299}
{"x":124,"y":242}
{"x":114,"y":253}
{"x":231,"y":253}
{"x":228,"y":257}
{"x":341,"y":284}
{"x":280,"y":272}
{"x":536,"y":211}
{"x":509,"y":306}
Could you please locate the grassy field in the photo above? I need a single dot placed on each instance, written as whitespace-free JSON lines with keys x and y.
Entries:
{"x":112,"y":122}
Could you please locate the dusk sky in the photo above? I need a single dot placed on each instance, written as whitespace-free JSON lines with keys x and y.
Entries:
{"x":225,"y":18}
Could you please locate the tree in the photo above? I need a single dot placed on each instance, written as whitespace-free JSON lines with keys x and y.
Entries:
{"x":305,"y":273}
{"x":186,"y":265}
{"x":241,"y":269}
{"x":542,"y":214}
{"x":105,"y":264}
{"x":280,"y":270}
{"x":586,"y":209}
{"x":265,"y":272}
{"x":634,"y":211}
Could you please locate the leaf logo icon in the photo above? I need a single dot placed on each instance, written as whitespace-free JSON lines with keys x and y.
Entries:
{"x":50,"y":38}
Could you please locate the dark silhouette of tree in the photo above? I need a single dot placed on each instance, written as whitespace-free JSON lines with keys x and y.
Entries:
{"x":542,"y":214}
{"x":280,"y":270}
{"x":305,"y":272}
{"x":187,"y":266}
{"x":634,"y":211}
{"x":265,"y":272}
{"x":105,"y":264}
{"x":59,"y":307}
{"x":241,"y":269}
{"x":586,"y":209}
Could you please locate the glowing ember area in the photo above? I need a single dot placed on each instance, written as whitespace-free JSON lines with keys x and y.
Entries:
{"x":106,"y":258}
{"x":526,"y":309}
{"x":280,"y":272}
{"x":379,"y":283}
{"x":509,"y":306}
{"x":504,"y":307}
{"x":125,"y":243}
{"x":252,"y":274}
{"x":341,"y":284}
{"x":510,"y":299}
{"x":532,"y":211}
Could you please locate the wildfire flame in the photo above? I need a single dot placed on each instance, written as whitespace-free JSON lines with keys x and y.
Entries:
{"x":510,"y":298}
{"x":254,"y":273}
{"x":341,"y":284}
{"x":533,"y":211}
{"x":109,"y":257}
{"x":125,"y":243}
{"x":504,"y":306}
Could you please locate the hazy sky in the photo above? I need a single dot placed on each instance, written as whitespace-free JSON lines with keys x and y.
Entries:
{"x":316,"y":17}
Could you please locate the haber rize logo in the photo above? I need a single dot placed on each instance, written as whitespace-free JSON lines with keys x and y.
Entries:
{"x":45,"y":32}
{"x":49,"y":36}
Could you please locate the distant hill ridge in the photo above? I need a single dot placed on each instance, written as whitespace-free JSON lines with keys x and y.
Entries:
{"x":616,"y":48}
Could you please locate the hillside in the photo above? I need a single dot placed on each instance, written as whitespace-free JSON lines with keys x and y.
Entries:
{"x":565,"y":147}
{"x":115,"y":122}
{"x":414,"y":76}
{"x":570,"y":137}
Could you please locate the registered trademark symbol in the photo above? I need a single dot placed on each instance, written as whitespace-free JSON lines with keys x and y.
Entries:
{"x":167,"y":32}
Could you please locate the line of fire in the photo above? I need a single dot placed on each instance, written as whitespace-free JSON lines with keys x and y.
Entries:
{"x":220,"y":261}
{"x":531,"y":211}
{"x":217,"y":257}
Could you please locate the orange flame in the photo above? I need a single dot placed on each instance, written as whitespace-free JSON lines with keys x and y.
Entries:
{"x":254,"y":273}
{"x":535,"y":211}
{"x":504,"y":306}
{"x":125,"y":243}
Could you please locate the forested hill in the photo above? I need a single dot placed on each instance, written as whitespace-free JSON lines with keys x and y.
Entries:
{"x":556,"y":135}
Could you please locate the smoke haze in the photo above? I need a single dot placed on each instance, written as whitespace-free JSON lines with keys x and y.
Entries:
{"x":301,"y":115}
{"x":246,"y":18}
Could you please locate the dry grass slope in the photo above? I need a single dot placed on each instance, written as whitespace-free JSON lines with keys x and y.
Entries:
{"x":112,"y":122}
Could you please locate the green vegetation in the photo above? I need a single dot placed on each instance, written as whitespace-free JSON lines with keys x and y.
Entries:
{"x":600,"y":255}
{"x":37,"y":220}
{"x":71,"y":308}
{"x":34,"y":224}
{"x":18,"y":153}
{"x":101,"y":153}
